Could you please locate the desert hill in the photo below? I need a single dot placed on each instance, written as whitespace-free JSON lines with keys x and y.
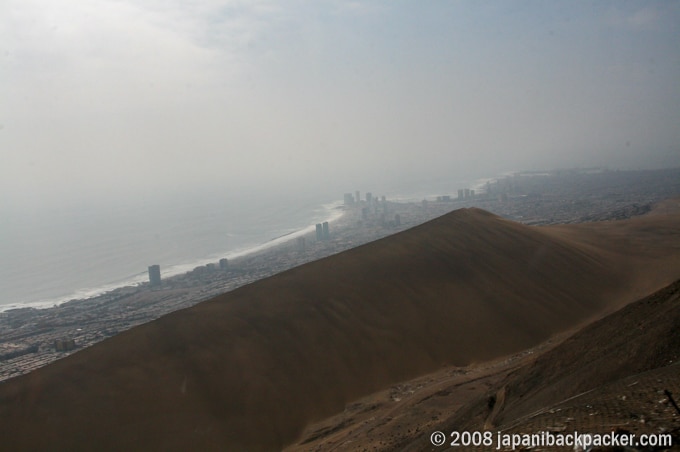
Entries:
{"x":611,"y":375}
{"x":250,"y":369}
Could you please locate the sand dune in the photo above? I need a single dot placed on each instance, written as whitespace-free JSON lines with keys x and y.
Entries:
{"x":642,"y":336}
{"x":610,"y":375}
{"x":249,"y":369}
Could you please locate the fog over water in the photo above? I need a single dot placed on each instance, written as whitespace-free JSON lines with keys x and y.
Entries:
{"x":110,"y":109}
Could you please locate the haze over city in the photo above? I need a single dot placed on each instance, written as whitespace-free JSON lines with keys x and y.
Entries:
{"x":106,"y":99}
{"x":338,"y":225}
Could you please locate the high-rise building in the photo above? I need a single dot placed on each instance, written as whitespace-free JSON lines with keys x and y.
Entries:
{"x":155,"y":275}
{"x":319,"y":232}
{"x":349,"y":199}
{"x":357,"y":196}
{"x":224,"y":263}
{"x":326,"y":231}
{"x":369,"y":197}
{"x":461,"y":193}
{"x":302,"y":244}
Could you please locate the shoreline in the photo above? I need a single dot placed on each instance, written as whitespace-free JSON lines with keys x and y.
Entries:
{"x":31,"y":338}
{"x":177,"y":270}
{"x":504,"y":183}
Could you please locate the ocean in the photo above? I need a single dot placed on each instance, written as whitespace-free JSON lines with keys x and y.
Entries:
{"x":59,"y":253}
{"x":52,"y":255}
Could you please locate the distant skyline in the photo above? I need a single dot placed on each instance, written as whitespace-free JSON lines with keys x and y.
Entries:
{"x":109,"y":99}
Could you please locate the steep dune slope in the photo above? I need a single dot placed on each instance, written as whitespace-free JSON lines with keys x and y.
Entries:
{"x":249,"y":369}
{"x":642,"y":336}
{"x":612,"y":374}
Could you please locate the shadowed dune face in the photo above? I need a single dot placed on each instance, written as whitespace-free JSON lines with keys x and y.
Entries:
{"x":590,"y":367}
{"x":640,"y":337}
{"x":249,"y":369}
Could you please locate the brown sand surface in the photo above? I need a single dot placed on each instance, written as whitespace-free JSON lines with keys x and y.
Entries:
{"x":642,"y":336}
{"x":250,"y":369}
{"x":609,"y":376}
{"x":648,"y":243}
{"x":408,"y":412}
{"x":612,"y":375}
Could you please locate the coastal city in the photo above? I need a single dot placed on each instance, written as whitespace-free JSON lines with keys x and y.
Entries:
{"x":31,"y":338}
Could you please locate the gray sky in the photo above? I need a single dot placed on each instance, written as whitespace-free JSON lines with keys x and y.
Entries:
{"x":103,"y":98}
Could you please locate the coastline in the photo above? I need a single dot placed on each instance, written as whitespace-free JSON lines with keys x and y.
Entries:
{"x":30,"y":338}
{"x":141,"y":278}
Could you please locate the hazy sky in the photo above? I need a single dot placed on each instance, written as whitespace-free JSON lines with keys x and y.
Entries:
{"x":113,"y":98}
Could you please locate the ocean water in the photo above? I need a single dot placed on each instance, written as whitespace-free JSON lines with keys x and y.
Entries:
{"x":55,"y":254}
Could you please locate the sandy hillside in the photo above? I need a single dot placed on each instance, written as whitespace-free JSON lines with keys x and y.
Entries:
{"x":613,"y":375}
{"x":249,"y":370}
